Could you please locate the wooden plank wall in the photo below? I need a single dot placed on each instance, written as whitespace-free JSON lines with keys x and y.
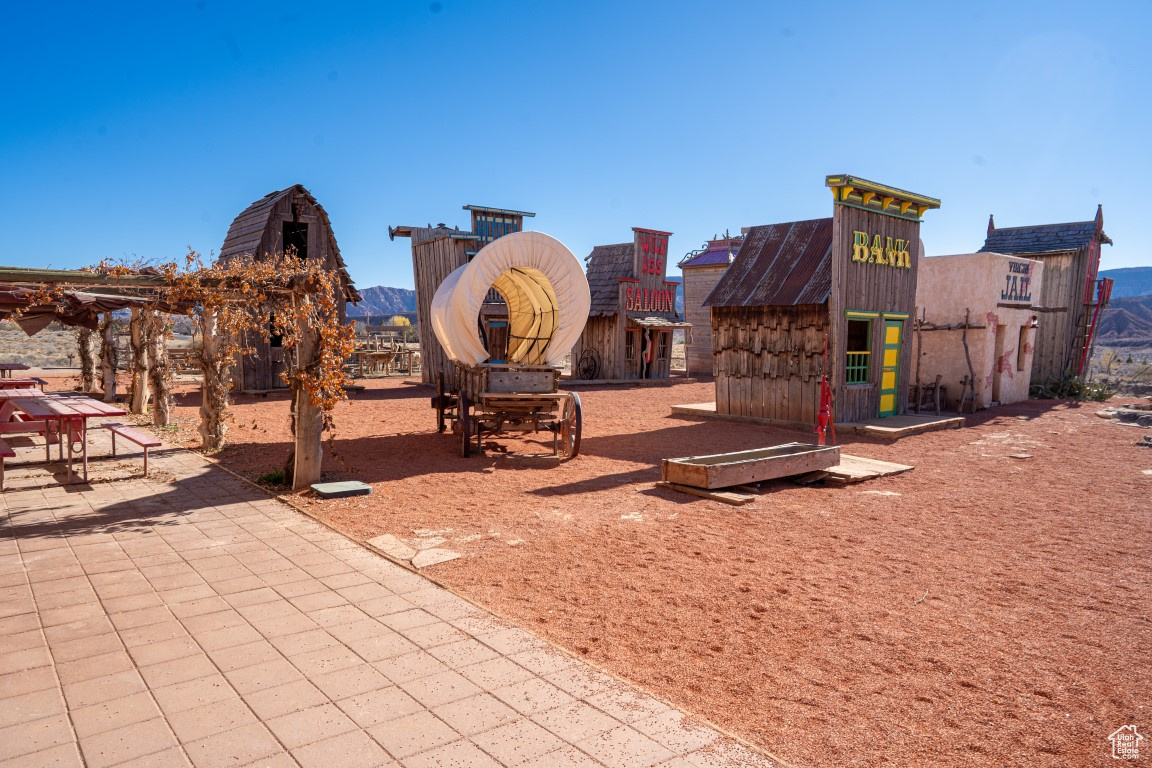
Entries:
{"x":769,"y":361}
{"x":1062,"y":286}
{"x":698,"y":284}
{"x":605,"y":335}
{"x":872,"y":288}
{"x":432,"y":261}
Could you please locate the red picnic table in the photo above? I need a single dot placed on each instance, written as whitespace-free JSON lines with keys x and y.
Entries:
{"x":70,"y":413}
{"x":7,"y":368}
{"x":29,"y":383}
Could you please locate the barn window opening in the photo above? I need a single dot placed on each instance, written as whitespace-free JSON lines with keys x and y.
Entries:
{"x":296,"y":238}
{"x":858,"y":347}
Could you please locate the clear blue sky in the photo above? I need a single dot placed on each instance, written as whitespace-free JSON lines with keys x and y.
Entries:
{"x":135,"y":129}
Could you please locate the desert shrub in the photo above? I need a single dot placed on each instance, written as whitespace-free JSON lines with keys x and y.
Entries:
{"x":1072,"y":388}
{"x":272,"y":478}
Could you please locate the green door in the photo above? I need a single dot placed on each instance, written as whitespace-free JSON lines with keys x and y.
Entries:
{"x":890,"y":368}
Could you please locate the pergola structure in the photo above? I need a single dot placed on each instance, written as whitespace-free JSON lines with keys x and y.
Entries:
{"x":33,"y":298}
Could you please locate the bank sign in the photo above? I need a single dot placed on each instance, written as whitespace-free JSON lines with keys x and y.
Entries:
{"x":885,"y":251}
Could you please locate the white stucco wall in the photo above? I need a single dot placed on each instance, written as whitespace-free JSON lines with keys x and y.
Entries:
{"x":946,"y":286}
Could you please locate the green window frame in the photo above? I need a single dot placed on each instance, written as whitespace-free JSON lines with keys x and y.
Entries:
{"x":858,"y":351}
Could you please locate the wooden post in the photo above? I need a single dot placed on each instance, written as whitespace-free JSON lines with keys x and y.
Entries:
{"x":308,"y":454}
{"x":87,"y":362}
{"x":919,"y":354}
{"x":214,"y":392}
{"x":971,"y":386}
{"x":108,"y":358}
{"x":138,"y":330}
{"x":159,"y":371}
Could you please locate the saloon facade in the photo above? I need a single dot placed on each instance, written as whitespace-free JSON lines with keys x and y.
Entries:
{"x":633,"y":312}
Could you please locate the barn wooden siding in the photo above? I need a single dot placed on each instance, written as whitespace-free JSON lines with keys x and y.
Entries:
{"x":698,"y":284}
{"x":872,"y":288}
{"x":769,"y":360}
{"x":259,"y":231}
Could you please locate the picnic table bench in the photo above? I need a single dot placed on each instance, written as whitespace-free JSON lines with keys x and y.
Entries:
{"x":143,"y":439}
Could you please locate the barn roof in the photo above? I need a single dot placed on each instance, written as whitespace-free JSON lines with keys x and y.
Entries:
{"x":1043,"y":238}
{"x":605,"y":266}
{"x":779,"y":264}
{"x":248,"y":230}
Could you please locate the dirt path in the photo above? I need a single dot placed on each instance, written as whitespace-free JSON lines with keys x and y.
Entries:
{"x":980,"y":610}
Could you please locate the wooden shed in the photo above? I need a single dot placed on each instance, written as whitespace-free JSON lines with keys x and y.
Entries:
{"x":283,"y":221}
{"x":702,"y":272}
{"x":1072,"y":296}
{"x":629,"y":331}
{"x":439,"y":250}
{"x":848,"y":281}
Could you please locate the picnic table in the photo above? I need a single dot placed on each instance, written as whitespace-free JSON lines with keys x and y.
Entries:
{"x":69,"y":413}
{"x":7,"y":368}
{"x":29,"y":383}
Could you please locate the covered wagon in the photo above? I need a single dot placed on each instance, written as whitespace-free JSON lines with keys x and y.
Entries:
{"x":511,"y":386}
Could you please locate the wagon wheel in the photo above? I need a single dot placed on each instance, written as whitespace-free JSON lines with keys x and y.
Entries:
{"x":465,"y":423}
{"x":588,"y":366}
{"x":571,"y":420}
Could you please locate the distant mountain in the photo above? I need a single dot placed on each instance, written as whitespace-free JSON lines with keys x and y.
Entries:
{"x":1130,"y":281}
{"x":1126,"y":321}
{"x":679,"y":293}
{"x":384,"y":301}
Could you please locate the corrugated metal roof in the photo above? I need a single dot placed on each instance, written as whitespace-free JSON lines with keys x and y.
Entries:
{"x":248,"y":230}
{"x":779,"y":264}
{"x":605,"y":266}
{"x":1043,"y":238}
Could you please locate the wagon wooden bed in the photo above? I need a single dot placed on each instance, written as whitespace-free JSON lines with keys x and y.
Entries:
{"x":493,"y":399}
{"x":545,"y":301}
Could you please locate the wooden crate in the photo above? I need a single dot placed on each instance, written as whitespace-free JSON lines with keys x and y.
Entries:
{"x":723,"y":470}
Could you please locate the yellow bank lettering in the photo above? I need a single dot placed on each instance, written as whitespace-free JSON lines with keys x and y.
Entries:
{"x":874,"y":249}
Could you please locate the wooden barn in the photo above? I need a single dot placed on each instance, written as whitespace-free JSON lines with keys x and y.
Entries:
{"x":439,"y":250}
{"x":282,"y":221}
{"x":629,"y":331}
{"x":848,"y":281}
{"x":702,"y":272}
{"x":1072,"y":296}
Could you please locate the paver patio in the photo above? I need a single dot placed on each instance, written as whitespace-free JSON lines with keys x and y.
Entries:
{"x":189,"y":619}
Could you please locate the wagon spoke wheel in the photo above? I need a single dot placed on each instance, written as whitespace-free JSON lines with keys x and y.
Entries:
{"x":571,"y":420}
{"x":465,"y":423}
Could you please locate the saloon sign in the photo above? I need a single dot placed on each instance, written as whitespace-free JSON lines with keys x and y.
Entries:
{"x":648,"y":300}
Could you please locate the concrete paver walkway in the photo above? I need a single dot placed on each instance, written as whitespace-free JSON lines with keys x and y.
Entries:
{"x":188,"y":619}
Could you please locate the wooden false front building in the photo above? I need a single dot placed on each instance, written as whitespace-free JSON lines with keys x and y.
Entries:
{"x":287,"y":221}
{"x":702,"y":271}
{"x":846,"y":284}
{"x":439,"y":250}
{"x":1072,"y":296}
{"x":633,"y":313}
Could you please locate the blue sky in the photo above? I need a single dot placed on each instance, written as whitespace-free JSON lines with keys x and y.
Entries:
{"x":137,"y":129}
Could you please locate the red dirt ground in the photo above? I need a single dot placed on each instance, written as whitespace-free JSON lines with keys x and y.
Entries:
{"x":980,"y":610}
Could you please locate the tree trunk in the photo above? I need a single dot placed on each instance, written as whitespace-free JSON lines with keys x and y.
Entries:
{"x":87,"y":362}
{"x":138,"y":334}
{"x":159,"y":371}
{"x":108,"y":358}
{"x":217,"y":381}
{"x":308,"y":419}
